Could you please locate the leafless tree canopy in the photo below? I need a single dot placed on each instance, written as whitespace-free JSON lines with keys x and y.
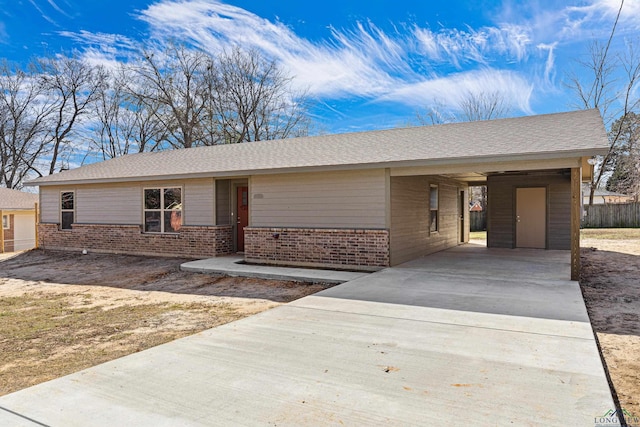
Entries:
{"x":625,"y":177}
{"x":23,"y":124}
{"x":71,"y":86}
{"x":612,"y":87}
{"x":474,"y":106}
{"x":252,"y":100}
{"x":61,"y":111}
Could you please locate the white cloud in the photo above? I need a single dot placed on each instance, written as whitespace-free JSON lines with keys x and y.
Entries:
{"x":475,"y":46}
{"x":451,"y":90}
{"x":364,"y":61}
{"x":412,"y":65}
{"x":550,"y":62}
{"x":57,"y":8}
{"x":4,"y":37}
{"x":44,"y":15}
{"x":597,"y":11}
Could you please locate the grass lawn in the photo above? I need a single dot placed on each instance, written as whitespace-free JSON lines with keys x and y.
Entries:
{"x":61,"y":312}
{"x":478,"y":235}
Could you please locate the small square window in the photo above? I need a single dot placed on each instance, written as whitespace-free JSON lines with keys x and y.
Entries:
{"x":67,"y":209}
{"x":172,"y":198}
{"x":152,"y":198}
{"x":152,"y":222}
{"x":172,"y":221}
{"x":67,"y":220}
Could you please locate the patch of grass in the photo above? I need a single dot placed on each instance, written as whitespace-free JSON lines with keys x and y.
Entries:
{"x":478,"y":235}
{"x":45,"y":336}
{"x":610,"y":233}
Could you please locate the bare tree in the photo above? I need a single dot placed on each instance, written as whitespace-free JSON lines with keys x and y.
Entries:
{"x":625,"y":177}
{"x":71,"y":87}
{"x":252,"y":100}
{"x":124,"y":122}
{"x":172,"y":85}
{"x":237,"y":96}
{"x":61,"y":108}
{"x":474,"y":106}
{"x":23,"y":119}
{"x":482,"y":105}
{"x":612,"y":88}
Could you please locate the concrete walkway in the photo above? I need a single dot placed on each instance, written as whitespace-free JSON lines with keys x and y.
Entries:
{"x":234,"y":266}
{"x":469,"y":336}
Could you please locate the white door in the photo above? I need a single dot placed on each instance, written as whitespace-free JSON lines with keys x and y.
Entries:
{"x":25,"y":231}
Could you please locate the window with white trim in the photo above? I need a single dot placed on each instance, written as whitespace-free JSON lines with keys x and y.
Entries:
{"x":5,"y":221}
{"x":67,"y":209}
{"x":433,"y":207}
{"x":162,"y":209}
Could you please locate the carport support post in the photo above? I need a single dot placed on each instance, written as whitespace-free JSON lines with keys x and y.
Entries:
{"x":576,"y":196}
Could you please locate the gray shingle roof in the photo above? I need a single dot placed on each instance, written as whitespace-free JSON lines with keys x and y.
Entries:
{"x":16,"y":200}
{"x":579,"y":133}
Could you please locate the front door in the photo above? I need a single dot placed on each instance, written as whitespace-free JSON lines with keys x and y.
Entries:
{"x":242,"y":203}
{"x":531,"y":218}
{"x":462,"y":207}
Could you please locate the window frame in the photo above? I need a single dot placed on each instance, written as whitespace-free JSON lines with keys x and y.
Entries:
{"x":162,"y":210}
{"x":433,"y":229}
{"x":66,"y":210}
{"x":6,"y":225}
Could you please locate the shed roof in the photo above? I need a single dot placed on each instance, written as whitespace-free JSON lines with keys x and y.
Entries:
{"x":17,"y":200}
{"x":578,"y":133}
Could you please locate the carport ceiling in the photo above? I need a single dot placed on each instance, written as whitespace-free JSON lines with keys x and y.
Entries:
{"x":470,"y":177}
{"x":480,"y":178}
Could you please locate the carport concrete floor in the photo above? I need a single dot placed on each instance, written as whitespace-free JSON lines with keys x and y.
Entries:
{"x":469,"y":336}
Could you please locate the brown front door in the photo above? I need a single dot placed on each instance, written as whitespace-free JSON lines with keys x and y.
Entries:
{"x":463,"y":206}
{"x":242,"y":201}
{"x":531,"y":218}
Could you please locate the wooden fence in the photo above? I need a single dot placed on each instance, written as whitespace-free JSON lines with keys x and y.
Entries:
{"x":478,"y":220}
{"x":614,"y":215}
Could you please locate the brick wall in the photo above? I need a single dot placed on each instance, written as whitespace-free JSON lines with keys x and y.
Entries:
{"x":191,"y":241}
{"x":348,"y":248}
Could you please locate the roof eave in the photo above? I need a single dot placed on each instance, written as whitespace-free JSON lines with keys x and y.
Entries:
{"x":335,"y":167}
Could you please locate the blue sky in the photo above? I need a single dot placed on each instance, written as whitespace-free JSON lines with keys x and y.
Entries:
{"x":366,"y":64}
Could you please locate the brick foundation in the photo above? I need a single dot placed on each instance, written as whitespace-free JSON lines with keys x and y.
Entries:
{"x":335,"y":248}
{"x":191,"y":241}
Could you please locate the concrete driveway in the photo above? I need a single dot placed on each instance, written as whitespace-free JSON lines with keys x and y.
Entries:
{"x":469,"y":336}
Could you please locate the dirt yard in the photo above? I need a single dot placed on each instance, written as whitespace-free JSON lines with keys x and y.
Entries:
{"x":610,"y":284}
{"x":61,"y":312}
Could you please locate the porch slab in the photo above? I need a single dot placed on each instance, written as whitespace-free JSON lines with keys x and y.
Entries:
{"x":233,"y":266}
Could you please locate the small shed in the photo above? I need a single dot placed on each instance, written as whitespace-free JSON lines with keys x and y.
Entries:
{"x":18,"y":213}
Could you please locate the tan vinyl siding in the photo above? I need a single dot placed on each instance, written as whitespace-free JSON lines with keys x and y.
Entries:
{"x":560,"y":215}
{"x":501,"y":206}
{"x":349,"y":199}
{"x":198,"y":202}
{"x":121,"y":203}
{"x":410,"y":237}
{"x":108,"y":204}
{"x":50,"y":204}
{"x":223,"y":202}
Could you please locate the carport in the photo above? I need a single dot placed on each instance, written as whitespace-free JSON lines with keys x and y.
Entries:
{"x":503,"y":340}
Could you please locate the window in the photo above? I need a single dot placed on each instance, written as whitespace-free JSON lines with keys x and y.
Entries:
{"x":433,"y":207}
{"x":67,"y":209}
{"x":5,"y":221}
{"x":162,"y":210}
